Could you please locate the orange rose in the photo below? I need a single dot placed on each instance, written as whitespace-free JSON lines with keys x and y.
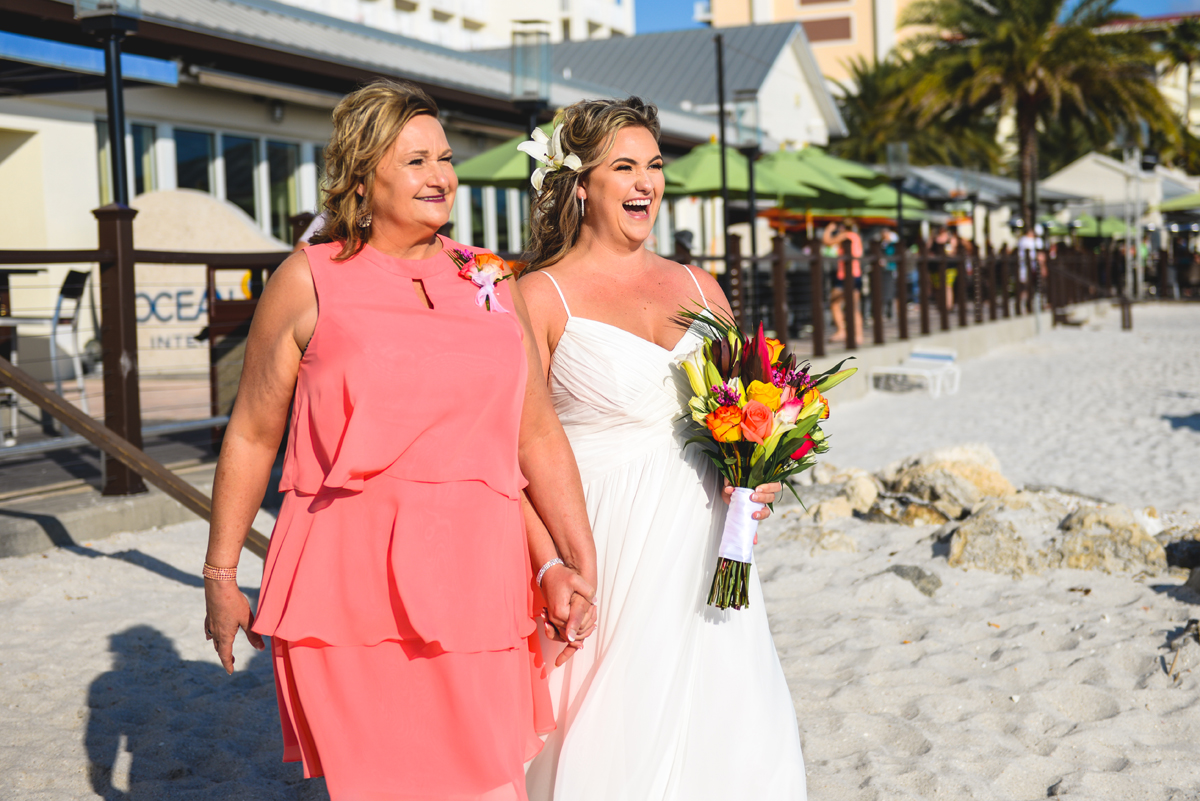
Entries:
{"x":757,"y":422}
{"x":490,"y":262}
{"x":774,"y":348}
{"x":813,"y":395}
{"x":766,"y":394}
{"x":725,"y":424}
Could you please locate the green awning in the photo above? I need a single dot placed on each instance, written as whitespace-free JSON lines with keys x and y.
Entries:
{"x":1185,"y":203}
{"x":699,"y":174}
{"x":503,"y":166}
{"x":831,"y":190}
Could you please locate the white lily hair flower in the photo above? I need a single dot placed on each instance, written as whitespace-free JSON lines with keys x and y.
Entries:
{"x":549,"y":151}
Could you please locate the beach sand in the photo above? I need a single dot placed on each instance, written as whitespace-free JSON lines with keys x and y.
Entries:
{"x":993,"y":688}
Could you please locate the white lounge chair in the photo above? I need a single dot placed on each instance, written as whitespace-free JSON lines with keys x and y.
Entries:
{"x":935,"y":366}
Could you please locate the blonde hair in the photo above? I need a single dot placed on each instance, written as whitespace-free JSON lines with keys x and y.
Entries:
{"x":365,"y":125}
{"x":589,"y":129}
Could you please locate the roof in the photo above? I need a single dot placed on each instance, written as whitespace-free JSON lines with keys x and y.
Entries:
{"x":289,"y":30}
{"x":954,"y":183}
{"x":677,"y":69}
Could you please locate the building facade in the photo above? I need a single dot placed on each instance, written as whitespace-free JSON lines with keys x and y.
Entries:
{"x":481,"y":24}
{"x":839,"y":31}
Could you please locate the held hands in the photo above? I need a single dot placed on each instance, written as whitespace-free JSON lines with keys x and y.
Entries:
{"x":227,"y":611}
{"x":763,"y":493}
{"x":571,"y":614}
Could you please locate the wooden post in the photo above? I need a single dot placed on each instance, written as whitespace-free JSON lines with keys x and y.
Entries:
{"x":737,"y":278}
{"x":943,"y":310}
{"x":816,"y":271}
{"x":120,"y":449}
{"x":960,"y":291}
{"x":923,"y":287}
{"x":118,"y":339}
{"x":849,"y":306}
{"x":901,"y":290}
{"x":877,"y":291}
{"x":779,"y":288}
{"x":990,"y":261}
{"x":1164,"y":276}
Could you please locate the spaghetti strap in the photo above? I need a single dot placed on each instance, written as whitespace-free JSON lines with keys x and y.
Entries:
{"x":563,"y":299}
{"x":694,"y":281}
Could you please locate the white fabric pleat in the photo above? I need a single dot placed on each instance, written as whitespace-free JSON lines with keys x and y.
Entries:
{"x":671,"y":699}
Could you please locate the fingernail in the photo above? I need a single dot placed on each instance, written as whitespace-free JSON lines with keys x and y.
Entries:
{"x":570,"y":636}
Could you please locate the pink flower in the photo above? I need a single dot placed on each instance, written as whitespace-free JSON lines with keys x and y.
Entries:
{"x":804,"y":448}
{"x":757,"y":421}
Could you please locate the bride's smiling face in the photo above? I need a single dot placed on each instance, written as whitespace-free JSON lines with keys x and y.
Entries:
{"x":623,"y":192}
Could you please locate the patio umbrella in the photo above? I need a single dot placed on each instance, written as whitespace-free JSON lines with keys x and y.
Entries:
{"x":1185,"y":203}
{"x":502,"y":166}
{"x":842,"y":168}
{"x":831,"y":190}
{"x":699,"y":174}
{"x":884,"y":196}
{"x":1086,"y":225}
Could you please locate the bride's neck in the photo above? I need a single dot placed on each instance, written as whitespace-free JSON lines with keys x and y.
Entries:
{"x":615,"y":256}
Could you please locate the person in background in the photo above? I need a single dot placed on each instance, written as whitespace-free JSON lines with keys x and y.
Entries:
{"x":832,"y":240}
{"x":890,"y":243}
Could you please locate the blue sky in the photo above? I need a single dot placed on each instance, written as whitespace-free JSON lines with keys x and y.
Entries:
{"x":672,"y":15}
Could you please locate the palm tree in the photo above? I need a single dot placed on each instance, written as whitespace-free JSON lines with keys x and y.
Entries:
{"x":1182,"y":49}
{"x":875,"y":104}
{"x":1033,"y":59}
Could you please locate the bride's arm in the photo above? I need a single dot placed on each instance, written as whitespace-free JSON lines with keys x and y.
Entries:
{"x":555,"y":489}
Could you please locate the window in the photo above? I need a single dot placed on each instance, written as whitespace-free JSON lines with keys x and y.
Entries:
{"x":144,"y":179}
{"x":239,"y":155}
{"x":193,"y":160}
{"x":282,"y":163}
{"x":827,"y":30}
{"x":502,"y":238}
{"x":477,"y":215}
{"x":319,"y":165}
{"x":566,"y":30}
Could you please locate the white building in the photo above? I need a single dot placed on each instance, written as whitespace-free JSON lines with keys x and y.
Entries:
{"x":480,"y":24}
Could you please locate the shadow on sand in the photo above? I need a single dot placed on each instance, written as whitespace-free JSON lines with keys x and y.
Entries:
{"x":163,"y":728}
{"x":1191,"y":421}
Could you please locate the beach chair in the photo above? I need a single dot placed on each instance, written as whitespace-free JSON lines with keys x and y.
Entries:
{"x":934,"y":366}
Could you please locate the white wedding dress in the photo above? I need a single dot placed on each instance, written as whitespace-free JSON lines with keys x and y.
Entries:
{"x":670,"y":699}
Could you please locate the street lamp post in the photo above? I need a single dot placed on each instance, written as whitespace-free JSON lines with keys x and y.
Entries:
{"x":530,"y":70}
{"x":111,"y":21}
{"x":749,"y":144}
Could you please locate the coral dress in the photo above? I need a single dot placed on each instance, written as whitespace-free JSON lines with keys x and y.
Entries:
{"x":397,"y":589}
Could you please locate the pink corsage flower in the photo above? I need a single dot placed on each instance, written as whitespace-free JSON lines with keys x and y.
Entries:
{"x":484,"y":270}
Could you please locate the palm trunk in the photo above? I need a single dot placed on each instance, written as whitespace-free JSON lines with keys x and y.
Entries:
{"x":1187,"y":99}
{"x":1027,"y":165}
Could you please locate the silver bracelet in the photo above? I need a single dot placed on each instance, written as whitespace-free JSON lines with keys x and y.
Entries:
{"x":547,"y":566}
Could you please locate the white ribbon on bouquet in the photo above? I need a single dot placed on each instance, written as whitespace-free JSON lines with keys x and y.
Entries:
{"x":737,"y":540}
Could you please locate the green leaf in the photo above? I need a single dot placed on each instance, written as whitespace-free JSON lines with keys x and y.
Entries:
{"x":832,"y":381}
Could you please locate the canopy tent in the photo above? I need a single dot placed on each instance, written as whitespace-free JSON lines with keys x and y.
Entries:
{"x":502,"y":166}
{"x":699,"y":174}
{"x":1183,"y":203}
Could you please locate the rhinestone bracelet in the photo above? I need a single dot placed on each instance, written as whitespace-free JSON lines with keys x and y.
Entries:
{"x":547,"y":566}
{"x":219,"y":573}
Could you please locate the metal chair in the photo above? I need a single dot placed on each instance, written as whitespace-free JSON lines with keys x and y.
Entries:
{"x":71,"y":291}
{"x":933,"y":365}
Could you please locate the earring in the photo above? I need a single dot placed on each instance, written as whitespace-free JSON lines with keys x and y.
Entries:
{"x":581,"y":206}
{"x":364,"y":220}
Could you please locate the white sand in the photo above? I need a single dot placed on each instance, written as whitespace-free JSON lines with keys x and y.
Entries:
{"x":1003,"y":688}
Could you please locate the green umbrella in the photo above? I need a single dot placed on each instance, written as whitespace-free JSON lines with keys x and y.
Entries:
{"x":872,"y":212}
{"x":842,"y":168}
{"x":1186,"y":203}
{"x":699,"y":174}
{"x":884,"y":196}
{"x":831,"y":189}
{"x":1086,"y":225}
{"x":502,"y":166}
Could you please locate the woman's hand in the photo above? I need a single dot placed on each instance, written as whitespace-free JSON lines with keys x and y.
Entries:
{"x":227,"y":611}
{"x":589,"y":617}
{"x":763,"y":493}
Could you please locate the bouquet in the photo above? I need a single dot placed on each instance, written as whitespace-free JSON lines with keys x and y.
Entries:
{"x":758,"y":414}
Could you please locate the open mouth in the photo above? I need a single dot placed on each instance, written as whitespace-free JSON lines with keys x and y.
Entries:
{"x":638,"y":207}
{"x":433,"y":199}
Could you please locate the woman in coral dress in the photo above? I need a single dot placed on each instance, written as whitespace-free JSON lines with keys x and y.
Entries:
{"x":398,"y":589}
{"x":673,"y":700}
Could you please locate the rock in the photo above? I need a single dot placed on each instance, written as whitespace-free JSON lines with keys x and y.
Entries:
{"x":954,"y":480}
{"x":927,"y":583}
{"x":823,"y":473}
{"x":1108,"y":538}
{"x":918,"y":514}
{"x":989,"y":542}
{"x":1182,"y":546}
{"x":1193,"y":582}
{"x":905,"y":511}
{"x":832,"y":509}
{"x":835,"y":541}
{"x":861,"y":489}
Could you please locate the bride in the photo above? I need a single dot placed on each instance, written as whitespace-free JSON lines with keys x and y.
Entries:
{"x":675,"y":699}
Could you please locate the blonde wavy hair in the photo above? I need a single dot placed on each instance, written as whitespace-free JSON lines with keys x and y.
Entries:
{"x":365,"y":125}
{"x":589,"y":130}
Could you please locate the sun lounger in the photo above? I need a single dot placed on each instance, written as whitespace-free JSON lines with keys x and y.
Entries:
{"x":933,"y":366}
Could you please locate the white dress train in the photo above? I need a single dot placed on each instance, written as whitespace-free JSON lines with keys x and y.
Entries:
{"x":670,"y":699}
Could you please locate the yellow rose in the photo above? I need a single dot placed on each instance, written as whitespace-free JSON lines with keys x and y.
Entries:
{"x":725,"y":424}
{"x":774,"y":348}
{"x":766,"y":394}
{"x":813,"y":395}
